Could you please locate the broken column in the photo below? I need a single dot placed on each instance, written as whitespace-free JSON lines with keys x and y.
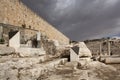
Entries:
{"x":112,"y":60}
{"x":108,"y":47}
{"x":100,"y":49}
{"x":38,"y":39}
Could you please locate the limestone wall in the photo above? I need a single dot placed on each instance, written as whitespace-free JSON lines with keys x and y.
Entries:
{"x":16,"y":13}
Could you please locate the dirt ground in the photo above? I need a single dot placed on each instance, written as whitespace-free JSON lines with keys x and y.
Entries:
{"x":92,"y":71}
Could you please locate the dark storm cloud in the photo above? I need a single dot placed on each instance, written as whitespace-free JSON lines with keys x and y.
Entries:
{"x":80,"y":19}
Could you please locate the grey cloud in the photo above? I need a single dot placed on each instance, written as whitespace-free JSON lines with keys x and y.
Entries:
{"x":80,"y":19}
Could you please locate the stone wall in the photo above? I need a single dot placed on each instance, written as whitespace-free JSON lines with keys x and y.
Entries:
{"x":14,"y":12}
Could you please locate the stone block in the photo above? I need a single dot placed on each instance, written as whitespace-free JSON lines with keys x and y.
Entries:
{"x":30,"y":52}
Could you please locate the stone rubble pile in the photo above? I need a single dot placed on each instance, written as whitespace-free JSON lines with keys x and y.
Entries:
{"x":19,"y":66}
{"x":92,"y":71}
{"x":25,"y":69}
{"x":6,"y":50}
{"x":15,"y":66}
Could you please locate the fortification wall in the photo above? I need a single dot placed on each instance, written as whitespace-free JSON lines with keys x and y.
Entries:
{"x":14,"y":12}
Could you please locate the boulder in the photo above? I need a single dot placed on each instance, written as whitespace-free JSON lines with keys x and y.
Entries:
{"x":30,"y":52}
{"x":6,"y":50}
{"x":83,"y":50}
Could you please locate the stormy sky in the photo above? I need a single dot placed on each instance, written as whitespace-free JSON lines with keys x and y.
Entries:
{"x":80,"y":19}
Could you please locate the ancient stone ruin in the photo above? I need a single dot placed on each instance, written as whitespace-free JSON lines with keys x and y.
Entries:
{"x":32,"y":49}
{"x":14,"y":12}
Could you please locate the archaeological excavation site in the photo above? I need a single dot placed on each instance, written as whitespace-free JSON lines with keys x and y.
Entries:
{"x":32,"y":49}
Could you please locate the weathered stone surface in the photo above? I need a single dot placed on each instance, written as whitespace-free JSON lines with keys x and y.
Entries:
{"x":99,"y":65}
{"x":9,"y":74}
{"x":6,"y":50}
{"x":99,"y":71}
{"x":30,"y":52}
{"x":32,"y":70}
{"x":84,"y":51}
{"x":72,"y":64}
{"x":83,"y":62}
{"x":114,"y":60}
{"x":22,"y":62}
{"x":73,"y":55}
{"x":26,"y":68}
{"x":78,"y":51}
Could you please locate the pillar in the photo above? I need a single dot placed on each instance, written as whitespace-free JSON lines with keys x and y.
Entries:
{"x":39,"y":39}
{"x":108,"y":47}
{"x":1,"y":32}
{"x":100,"y":49}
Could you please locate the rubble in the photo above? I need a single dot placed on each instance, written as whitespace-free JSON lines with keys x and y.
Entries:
{"x":25,"y":68}
{"x":28,"y":52}
{"x":40,"y":68}
{"x":35,"y":50}
{"x":92,"y":71}
{"x":46,"y":62}
{"x":6,"y":50}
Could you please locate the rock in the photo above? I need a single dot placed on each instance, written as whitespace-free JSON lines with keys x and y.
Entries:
{"x":84,"y":51}
{"x":72,"y":64}
{"x":30,"y":52}
{"x":31,"y":74}
{"x":78,"y":51}
{"x":56,"y":43}
{"x":114,"y":60}
{"x":26,"y":68}
{"x":84,"y":75}
{"x":18,"y":63}
{"x":99,"y":65}
{"x":6,"y":50}
{"x":9,"y":74}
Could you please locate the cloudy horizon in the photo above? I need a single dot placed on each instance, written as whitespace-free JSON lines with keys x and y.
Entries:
{"x":80,"y":19}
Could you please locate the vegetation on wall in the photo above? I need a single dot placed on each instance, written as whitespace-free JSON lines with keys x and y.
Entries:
{"x":2,"y":41}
